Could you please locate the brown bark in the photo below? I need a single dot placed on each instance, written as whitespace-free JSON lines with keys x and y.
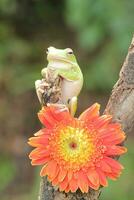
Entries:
{"x":121,"y":102}
{"x":120,"y":105}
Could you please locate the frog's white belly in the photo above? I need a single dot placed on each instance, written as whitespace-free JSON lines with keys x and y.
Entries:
{"x":70,"y":89}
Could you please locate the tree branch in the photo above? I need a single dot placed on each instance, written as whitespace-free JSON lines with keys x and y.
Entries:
{"x":120,"y":105}
{"x":121,"y":102}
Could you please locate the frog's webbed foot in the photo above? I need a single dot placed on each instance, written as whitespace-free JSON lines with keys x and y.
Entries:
{"x":72,"y":104}
{"x":39,"y":86}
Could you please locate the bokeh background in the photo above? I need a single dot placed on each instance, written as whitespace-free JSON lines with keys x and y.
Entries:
{"x":99,"y":32}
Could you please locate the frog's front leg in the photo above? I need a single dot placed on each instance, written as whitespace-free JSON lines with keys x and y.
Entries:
{"x":72,"y":104}
{"x":49,"y":73}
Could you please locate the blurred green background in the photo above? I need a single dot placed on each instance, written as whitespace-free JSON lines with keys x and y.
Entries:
{"x":99,"y":32}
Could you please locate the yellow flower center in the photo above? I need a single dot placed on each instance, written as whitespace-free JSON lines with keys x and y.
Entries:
{"x":75,"y":147}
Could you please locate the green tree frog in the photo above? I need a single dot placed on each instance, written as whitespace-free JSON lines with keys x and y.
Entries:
{"x":64,"y":64}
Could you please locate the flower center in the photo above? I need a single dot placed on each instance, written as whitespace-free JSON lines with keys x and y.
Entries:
{"x":74,"y":146}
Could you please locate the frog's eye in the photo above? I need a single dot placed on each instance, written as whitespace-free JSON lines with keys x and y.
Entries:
{"x":69,"y":51}
{"x":47,"y":51}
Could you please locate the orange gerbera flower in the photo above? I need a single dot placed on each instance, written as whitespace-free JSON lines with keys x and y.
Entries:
{"x":77,"y":152}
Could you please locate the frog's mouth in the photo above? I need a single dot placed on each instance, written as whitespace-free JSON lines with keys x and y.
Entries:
{"x":52,"y":58}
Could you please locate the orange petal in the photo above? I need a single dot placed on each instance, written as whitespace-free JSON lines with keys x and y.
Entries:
{"x":109,"y":129}
{"x":60,"y":114}
{"x":40,"y":161}
{"x":102,"y":121}
{"x":82,"y":182}
{"x":46,"y":118}
{"x":113,"y":176}
{"x":63,"y":185}
{"x":55,"y":181}
{"x":117,"y":172}
{"x":114,"y":126}
{"x":102,"y":177}
{"x":115,"y":150}
{"x":70,"y":174}
{"x":73,"y":184}
{"x":50,"y":115}
{"x":43,"y":171}
{"x":52,"y":169}
{"x":38,"y":153}
{"x":113,"y":163}
{"x":56,"y":174}
{"x":95,"y":187}
{"x":42,"y":132}
{"x":38,"y":141}
{"x":67,"y":189}
{"x":115,"y":138}
{"x":105,"y":167}
{"x":90,"y":113}
{"x":93,"y":177}
{"x":62,"y":174}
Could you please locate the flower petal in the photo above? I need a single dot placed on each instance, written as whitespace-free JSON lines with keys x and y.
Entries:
{"x":55,"y":181}
{"x":111,"y":128}
{"x":63,"y":185}
{"x":41,"y":132}
{"x":67,"y":189}
{"x":60,"y":114}
{"x":113,"y":176}
{"x":40,"y":161}
{"x":90,"y":113}
{"x":39,"y":153}
{"x":115,"y":138}
{"x":62,"y":174}
{"x":43,"y":171}
{"x":52,"y":169}
{"x":113,"y":163}
{"x":70,"y":174}
{"x":73,"y":184}
{"x":93,"y":177}
{"x":102,"y":121}
{"x":41,"y":141}
{"x":102,"y":177}
{"x":105,"y":167}
{"x":46,"y":118}
{"x":95,"y":187}
{"x":115,"y":150}
{"x":50,"y":115}
{"x":82,"y":181}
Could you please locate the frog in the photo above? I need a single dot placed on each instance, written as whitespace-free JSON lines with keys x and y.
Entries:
{"x":63,"y":63}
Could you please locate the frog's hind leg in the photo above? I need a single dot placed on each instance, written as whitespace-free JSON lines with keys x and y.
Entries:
{"x":72,"y":104}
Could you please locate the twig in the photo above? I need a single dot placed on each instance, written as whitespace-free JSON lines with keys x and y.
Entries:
{"x":120,"y":105}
